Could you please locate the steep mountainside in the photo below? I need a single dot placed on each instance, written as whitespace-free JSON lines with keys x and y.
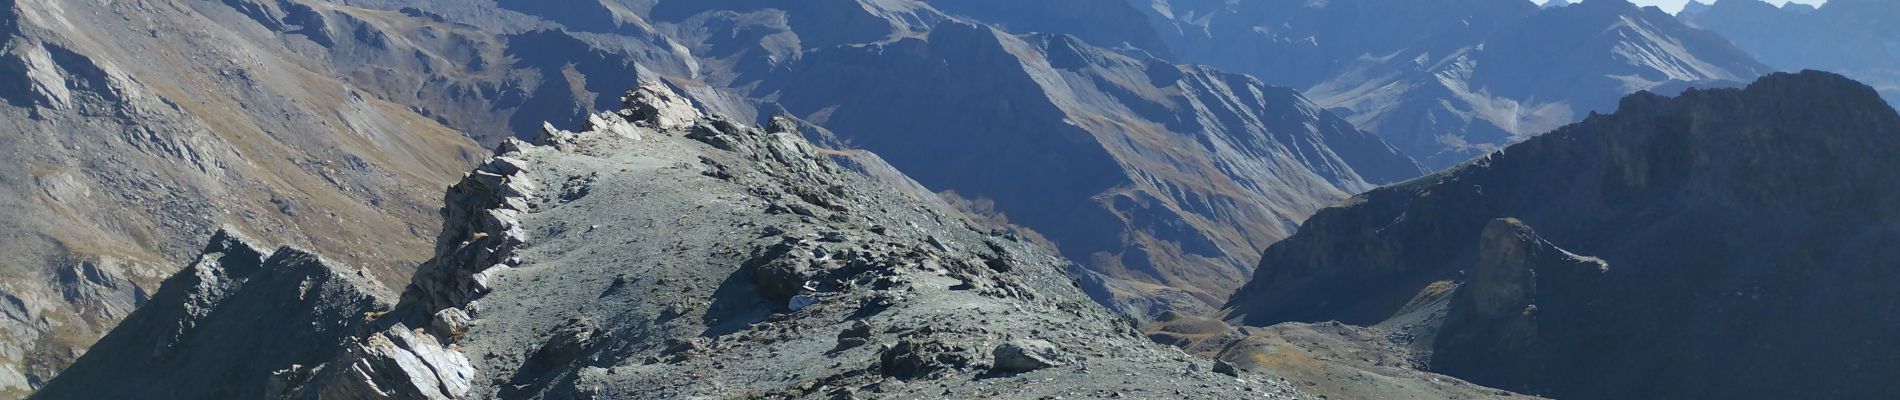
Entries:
{"x":1167,"y":179}
{"x":137,"y":127}
{"x":1447,"y":81}
{"x":1147,"y":170}
{"x":1726,"y":243}
{"x":326,"y":124}
{"x":1852,"y":37}
{"x":659,"y":254}
{"x":1109,"y":24}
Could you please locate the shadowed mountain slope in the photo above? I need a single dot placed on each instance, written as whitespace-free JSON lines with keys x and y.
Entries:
{"x":1723,"y":243}
{"x":1146,"y":170}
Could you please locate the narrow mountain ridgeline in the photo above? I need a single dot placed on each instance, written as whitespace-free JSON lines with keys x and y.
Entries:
{"x":1852,"y":37}
{"x":1195,"y":170}
{"x":660,"y":253}
{"x":1727,"y":243}
{"x":1147,"y":172}
{"x":1446,"y":81}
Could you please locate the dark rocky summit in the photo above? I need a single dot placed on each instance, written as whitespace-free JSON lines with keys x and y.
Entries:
{"x":653,"y":255}
{"x":228,"y":326}
{"x":1725,"y":243}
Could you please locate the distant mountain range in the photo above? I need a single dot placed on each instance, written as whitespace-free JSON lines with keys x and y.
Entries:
{"x":1446,"y":81}
{"x":1852,"y":37}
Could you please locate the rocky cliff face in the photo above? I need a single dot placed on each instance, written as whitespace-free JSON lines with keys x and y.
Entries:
{"x":1446,"y":81}
{"x":657,"y":254}
{"x":1683,"y":247}
{"x":1849,"y":37}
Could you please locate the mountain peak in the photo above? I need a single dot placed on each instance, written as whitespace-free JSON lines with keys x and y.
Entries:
{"x":1691,"y":198}
{"x":664,"y":252}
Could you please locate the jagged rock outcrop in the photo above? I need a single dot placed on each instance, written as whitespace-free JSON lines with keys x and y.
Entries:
{"x":395,"y":363}
{"x":224,"y":326}
{"x":1498,"y":311}
{"x":1735,"y":229}
{"x":637,"y":260}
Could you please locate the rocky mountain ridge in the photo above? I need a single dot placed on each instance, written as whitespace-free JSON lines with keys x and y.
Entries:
{"x":308,"y":119}
{"x":866,"y":74}
{"x":1150,"y":172}
{"x":653,"y":256}
{"x":1679,"y":249}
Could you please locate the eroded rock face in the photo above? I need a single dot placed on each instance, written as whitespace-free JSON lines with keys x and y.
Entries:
{"x":396,"y":363}
{"x":1512,"y":259}
{"x":1498,"y":313}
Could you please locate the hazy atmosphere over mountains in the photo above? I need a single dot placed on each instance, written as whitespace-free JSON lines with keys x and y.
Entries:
{"x":1219,"y":199}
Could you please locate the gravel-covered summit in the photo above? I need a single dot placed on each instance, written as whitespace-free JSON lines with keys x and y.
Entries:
{"x":656,"y":255}
{"x":660,"y":257}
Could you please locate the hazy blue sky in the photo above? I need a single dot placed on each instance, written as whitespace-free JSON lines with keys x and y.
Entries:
{"x":1673,"y":6}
